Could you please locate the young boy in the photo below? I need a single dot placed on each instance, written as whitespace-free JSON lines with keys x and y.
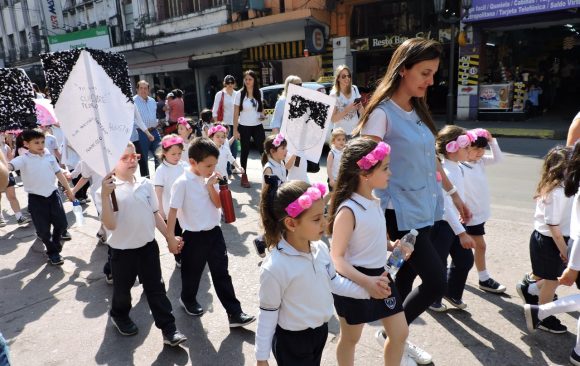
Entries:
{"x":134,"y":251}
{"x":338,"y":141}
{"x":196,"y":203}
{"x":38,"y":169}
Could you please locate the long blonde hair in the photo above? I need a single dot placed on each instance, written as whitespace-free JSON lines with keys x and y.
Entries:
{"x":409,"y":53}
{"x":291,"y":79}
{"x":336,"y":86}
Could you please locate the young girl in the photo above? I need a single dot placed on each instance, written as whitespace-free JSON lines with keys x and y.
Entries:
{"x":274,"y":172}
{"x":169,"y":170}
{"x":297,"y":278}
{"x":184,"y":131}
{"x":477,"y":198}
{"x":359,"y":250}
{"x":218,"y":134}
{"x":11,"y":190}
{"x":548,"y":242}
{"x":338,"y":141}
{"x":451,"y":238}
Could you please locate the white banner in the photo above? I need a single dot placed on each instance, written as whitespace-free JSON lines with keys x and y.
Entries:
{"x":95,"y":115}
{"x":52,"y":10}
{"x":307,"y":118}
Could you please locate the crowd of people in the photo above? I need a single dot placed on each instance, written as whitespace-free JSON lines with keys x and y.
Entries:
{"x":390,"y":172}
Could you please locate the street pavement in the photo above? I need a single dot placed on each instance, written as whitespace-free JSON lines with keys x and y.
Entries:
{"x":58,"y":315}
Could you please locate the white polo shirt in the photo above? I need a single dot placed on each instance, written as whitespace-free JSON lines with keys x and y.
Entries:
{"x":278,"y":169}
{"x":38,"y":172}
{"x":135,"y":219}
{"x":555,"y":209}
{"x":224,"y":158}
{"x":195,"y":209}
{"x":165,"y":175}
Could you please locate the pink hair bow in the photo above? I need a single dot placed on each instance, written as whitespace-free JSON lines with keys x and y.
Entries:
{"x":315,"y":192}
{"x":182,"y":121}
{"x":278,"y":140}
{"x":472,"y":136}
{"x":481,"y":132}
{"x":461,"y":142}
{"x":372,"y":158}
{"x":215,"y":129}
{"x":171,"y":141}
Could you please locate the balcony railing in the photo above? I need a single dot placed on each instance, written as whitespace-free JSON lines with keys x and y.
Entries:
{"x":178,"y":8}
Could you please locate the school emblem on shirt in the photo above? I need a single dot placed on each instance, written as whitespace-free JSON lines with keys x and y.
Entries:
{"x":391,"y":302}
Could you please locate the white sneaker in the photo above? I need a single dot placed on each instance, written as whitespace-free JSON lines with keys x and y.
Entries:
{"x":417,"y":354}
{"x":407,"y":360}
{"x":380,"y":336}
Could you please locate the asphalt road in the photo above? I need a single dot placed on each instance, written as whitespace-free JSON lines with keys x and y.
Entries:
{"x":58,"y":316}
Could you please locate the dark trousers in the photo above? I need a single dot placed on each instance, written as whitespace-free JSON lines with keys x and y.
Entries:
{"x":424,"y":262}
{"x":448,"y":244}
{"x":47,"y":211}
{"x":146,"y":148}
{"x":81,"y":193}
{"x":209,"y":247}
{"x":302,"y":347}
{"x":143,"y":262}
{"x":233,"y":148}
{"x":250,"y":132}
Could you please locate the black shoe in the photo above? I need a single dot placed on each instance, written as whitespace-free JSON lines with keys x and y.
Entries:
{"x":458,"y":303}
{"x":240,"y":320}
{"x":575,"y":358}
{"x":491,"y":285}
{"x":192,"y":309}
{"x":109,"y":278}
{"x":66,"y":236}
{"x":174,"y":338}
{"x":125,"y":326}
{"x":552,"y":324}
{"x":260,"y":246}
{"x":531,"y":313}
{"x":56,"y":260}
{"x":522,"y":289}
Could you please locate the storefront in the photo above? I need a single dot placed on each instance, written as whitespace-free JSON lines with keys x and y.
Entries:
{"x":526,"y":60}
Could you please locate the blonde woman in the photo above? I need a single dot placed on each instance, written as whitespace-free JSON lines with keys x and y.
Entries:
{"x":348,"y":101}
{"x":279,"y":108}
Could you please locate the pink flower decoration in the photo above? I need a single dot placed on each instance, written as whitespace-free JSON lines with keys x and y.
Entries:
{"x":315,"y":192}
{"x":215,"y":129}
{"x":182,"y":121}
{"x":463,"y":141}
{"x":305,"y":201}
{"x":452,"y":147}
{"x":278,"y":140}
{"x":171,"y":141}
{"x":372,"y":158}
{"x":472,"y":136}
{"x":481,"y":132}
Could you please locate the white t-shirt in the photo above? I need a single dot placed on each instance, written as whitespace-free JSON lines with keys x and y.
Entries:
{"x":38,"y":172}
{"x":554,"y":209}
{"x":185,"y":153}
{"x":455,"y":174}
{"x":165,"y":175}
{"x":348,"y":122}
{"x":337,"y":155}
{"x":299,"y":172}
{"x":228,"y":106}
{"x":278,"y":169}
{"x":249,"y":115}
{"x":50,"y":143}
{"x":223,"y":159}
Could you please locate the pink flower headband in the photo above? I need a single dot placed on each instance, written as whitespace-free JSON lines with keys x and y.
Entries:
{"x":461,"y":142}
{"x":371,"y":159}
{"x":278,"y":140}
{"x":215,"y":129}
{"x":171,"y":141}
{"x":315,"y":192}
{"x":480,"y":132}
{"x":182,"y":121}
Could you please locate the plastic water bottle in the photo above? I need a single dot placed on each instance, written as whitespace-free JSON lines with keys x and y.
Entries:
{"x":78,"y":211}
{"x":397,"y":258}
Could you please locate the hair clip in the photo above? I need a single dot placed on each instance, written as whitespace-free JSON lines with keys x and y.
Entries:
{"x":371,"y":159}
{"x":278,"y":140}
{"x":315,"y":192}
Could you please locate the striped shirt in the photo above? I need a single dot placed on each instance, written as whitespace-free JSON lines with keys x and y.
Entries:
{"x":147,"y":109}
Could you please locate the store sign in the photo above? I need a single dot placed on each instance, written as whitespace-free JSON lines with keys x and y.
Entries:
{"x":519,"y":96}
{"x":467,"y":74}
{"x":97,"y":38}
{"x":314,"y":39}
{"x":384,"y":41}
{"x":492,"y":9}
{"x":52,"y":10}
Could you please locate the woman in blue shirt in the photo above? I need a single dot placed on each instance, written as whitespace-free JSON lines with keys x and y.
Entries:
{"x":276,"y":122}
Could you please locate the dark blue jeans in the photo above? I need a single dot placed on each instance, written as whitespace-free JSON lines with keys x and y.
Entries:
{"x":147,"y":147}
{"x":47,"y":211}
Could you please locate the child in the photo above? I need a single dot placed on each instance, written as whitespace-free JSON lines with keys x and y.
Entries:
{"x":134,"y":250}
{"x":169,"y":170}
{"x":548,"y":242}
{"x":50,"y":141}
{"x":477,"y":198}
{"x":6,"y":151}
{"x":359,"y":250}
{"x":338,"y":141}
{"x":451,"y":238}
{"x":186,"y":133}
{"x":298,"y":275}
{"x":196,"y":203}
{"x":205,"y":117}
{"x":38,"y":169}
{"x":218,"y":134}
{"x":274,"y":172}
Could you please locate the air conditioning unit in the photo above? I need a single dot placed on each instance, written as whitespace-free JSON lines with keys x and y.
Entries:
{"x":245,"y":5}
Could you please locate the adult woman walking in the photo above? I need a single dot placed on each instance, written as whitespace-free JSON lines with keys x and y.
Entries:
{"x":348,"y":101}
{"x":397,"y":113}
{"x":248,"y":116}
{"x":223,"y":110}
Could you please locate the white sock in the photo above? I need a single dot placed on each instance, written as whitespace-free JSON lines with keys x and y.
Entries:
{"x":483,"y":275}
{"x":533,"y":289}
{"x":564,"y":305}
{"x":18,"y":215}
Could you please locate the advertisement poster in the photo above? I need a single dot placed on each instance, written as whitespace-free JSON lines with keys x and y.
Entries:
{"x":495,"y":96}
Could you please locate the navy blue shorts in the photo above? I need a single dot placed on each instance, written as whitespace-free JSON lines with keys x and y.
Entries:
{"x":476,"y":229}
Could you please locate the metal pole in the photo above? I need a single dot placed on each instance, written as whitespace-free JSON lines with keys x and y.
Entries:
{"x":451,"y":86}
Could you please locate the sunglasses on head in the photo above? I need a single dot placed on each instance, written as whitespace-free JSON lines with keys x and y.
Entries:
{"x":230,"y":83}
{"x":345,"y":76}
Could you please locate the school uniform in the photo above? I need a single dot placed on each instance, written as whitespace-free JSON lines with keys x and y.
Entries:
{"x":296,"y":303}
{"x":367,"y":252}
{"x":224,"y":158}
{"x":134,"y":252}
{"x":446,"y":239}
{"x":38,"y":174}
{"x":278,"y":169}
{"x":477,"y":196}
{"x":299,"y":172}
{"x":204,"y":241}
{"x":337,"y":155}
{"x":554,"y":209}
